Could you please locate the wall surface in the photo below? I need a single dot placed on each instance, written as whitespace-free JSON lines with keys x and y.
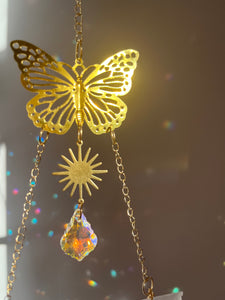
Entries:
{"x":172,"y":143}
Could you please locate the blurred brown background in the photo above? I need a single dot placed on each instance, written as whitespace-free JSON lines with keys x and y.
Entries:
{"x":172,"y":142}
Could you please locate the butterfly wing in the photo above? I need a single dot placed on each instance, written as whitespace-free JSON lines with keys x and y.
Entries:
{"x":103,"y":84}
{"x":53,"y":107}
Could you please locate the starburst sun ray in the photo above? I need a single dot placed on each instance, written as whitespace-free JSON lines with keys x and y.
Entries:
{"x":93,"y":159}
{"x":93,"y":184}
{"x":79,"y":153}
{"x":80,"y":191}
{"x":60,"y":173}
{"x":96,"y":165}
{"x":67,"y":160}
{"x":72,"y":155}
{"x":64,"y":179}
{"x":87,"y":189}
{"x":96,"y":178}
{"x":64,"y":166}
{"x":87,"y":155}
{"x":67,"y":185}
{"x":99,"y":171}
{"x":73,"y":189}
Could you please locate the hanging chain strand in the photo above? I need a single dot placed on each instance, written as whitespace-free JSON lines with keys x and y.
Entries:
{"x":78,"y":27}
{"x":147,"y":285}
{"x":19,"y":240}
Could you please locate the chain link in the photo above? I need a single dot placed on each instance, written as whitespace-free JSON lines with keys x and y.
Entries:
{"x":79,"y":135}
{"x":19,"y":240}
{"x":147,"y":285}
{"x":78,"y":27}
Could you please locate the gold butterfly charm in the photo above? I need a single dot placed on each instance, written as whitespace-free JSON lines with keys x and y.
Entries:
{"x":65,"y":93}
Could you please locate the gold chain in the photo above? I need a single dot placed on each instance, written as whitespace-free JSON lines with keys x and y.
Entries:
{"x":147,"y":285}
{"x":78,"y":27}
{"x":19,"y":240}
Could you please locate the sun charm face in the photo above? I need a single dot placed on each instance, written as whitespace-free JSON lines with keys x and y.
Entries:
{"x":80,"y":172}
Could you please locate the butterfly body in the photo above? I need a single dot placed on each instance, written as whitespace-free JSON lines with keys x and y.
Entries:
{"x":79,"y":102}
{"x":65,"y":94}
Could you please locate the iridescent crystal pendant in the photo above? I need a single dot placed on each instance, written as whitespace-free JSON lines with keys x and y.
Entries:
{"x":79,"y":239}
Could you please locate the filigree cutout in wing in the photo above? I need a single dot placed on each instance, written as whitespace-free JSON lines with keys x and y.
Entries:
{"x":103,"y":85}
{"x":102,"y":113}
{"x":52,"y":108}
{"x":114,"y":75}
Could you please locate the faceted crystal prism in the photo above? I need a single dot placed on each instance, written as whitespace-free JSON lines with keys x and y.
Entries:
{"x":79,"y":239}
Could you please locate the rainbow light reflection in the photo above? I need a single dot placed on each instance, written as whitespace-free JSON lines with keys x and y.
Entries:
{"x":34,"y":221}
{"x":92,"y":283}
{"x":175,"y":290}
{"x":168,"y":125}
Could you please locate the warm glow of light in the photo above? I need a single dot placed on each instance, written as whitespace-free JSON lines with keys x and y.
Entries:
{"x":75,"y":244}
{"x":3,"y":24}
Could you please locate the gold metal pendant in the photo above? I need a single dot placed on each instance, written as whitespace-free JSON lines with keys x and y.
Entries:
{"x":80,"y":172}
{"x":66,"y":93}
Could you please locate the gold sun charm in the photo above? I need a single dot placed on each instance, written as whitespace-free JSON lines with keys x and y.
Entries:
{"x":80,"y":172}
